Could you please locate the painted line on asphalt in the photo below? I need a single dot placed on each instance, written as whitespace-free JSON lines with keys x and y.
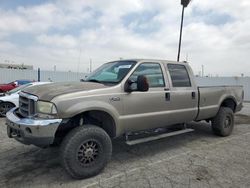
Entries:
{"x":163,"y":160}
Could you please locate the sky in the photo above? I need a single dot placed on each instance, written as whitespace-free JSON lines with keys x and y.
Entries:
{"x":68,"y":34}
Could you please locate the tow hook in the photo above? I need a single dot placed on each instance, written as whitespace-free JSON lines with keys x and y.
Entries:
{"x":14,"y":135}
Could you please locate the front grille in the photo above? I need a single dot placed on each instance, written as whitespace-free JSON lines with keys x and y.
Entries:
{"x":27,"y":104}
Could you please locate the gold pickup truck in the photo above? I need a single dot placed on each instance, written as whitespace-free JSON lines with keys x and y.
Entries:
{"x":138,"y":99}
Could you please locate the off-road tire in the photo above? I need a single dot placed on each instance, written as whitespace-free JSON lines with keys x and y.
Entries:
{"x":73,"y":144}
{"x":10,"y":105}
{"x":223,"y":122}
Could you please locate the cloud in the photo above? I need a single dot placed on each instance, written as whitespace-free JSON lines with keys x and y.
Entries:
{"x":62,"y":41}
{"x":11,"y":22}
{"x":39,"y":18}
{"x":70,"y":32}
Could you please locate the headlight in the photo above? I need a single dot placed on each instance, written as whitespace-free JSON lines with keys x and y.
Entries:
{"x":46,"y":108}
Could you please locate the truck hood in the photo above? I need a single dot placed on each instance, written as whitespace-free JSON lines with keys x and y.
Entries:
{"x":47,"y":92}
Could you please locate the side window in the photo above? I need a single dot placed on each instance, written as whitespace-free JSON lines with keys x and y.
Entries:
{"x":152,"y":71}
{"x":179,"y":75}
{"x":22,"y":82}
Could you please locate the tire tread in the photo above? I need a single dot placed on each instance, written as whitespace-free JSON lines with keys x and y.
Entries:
{"x":217,"y":122}
{"x":72,"y":138}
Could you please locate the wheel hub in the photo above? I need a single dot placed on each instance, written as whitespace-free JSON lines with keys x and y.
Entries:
{"x":88,"y":152}
{"x":4,"y":108}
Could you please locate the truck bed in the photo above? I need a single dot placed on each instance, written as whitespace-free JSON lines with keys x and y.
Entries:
{"x":211,"y":98}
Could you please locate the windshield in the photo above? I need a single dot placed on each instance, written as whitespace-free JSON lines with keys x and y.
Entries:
{"x":18,"y":89}
{"x":112,"y":72}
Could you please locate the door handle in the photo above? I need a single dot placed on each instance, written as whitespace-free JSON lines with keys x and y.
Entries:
{"x":167,"y":96}
{"x":193,"y":95}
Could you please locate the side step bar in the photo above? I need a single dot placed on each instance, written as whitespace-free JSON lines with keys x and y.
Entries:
{"x":157,"y":137}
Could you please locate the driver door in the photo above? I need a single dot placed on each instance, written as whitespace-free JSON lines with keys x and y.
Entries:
{"x":146,"y":110}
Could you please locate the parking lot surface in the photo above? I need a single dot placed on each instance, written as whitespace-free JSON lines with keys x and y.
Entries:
{"x":196,"y":159}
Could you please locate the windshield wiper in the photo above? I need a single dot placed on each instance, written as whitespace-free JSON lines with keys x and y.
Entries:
{"x":101,"y":82}
{"x":93,"y":80}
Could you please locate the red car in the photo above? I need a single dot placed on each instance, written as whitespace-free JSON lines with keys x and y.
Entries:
{"x":7,"y":87}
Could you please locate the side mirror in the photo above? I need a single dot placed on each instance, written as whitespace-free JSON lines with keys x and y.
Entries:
{"x":142,"y":84}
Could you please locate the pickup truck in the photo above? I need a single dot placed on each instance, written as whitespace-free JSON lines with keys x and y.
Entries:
{"x":124,"y":98}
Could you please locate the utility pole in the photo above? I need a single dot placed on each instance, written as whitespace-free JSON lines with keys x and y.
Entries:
{"x":90,"y":65}
{"x":39,"y":75}
{"x":184,"y":4}
{"x":202,"y":70}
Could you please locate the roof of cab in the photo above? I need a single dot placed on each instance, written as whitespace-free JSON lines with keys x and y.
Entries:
{"x":155,"y":60}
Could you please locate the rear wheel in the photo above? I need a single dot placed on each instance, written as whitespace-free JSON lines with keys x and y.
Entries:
{"x":5,"y":107}
{"x":85,"y":151}
{"x":223,"y":122}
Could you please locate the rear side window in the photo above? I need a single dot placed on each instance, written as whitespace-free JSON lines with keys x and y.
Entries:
{"x":179,"y":75}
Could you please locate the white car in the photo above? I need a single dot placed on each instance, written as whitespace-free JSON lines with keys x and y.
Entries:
{"x":11,"y":98}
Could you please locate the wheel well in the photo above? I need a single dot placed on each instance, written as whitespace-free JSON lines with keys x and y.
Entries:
{"x":95,"y":117}
{"x":230,"y":103}
{"x":9,"y":103}
{"x":99,"y":118}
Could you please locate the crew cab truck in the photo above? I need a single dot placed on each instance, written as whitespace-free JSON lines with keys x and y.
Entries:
{"x":121,"y":98}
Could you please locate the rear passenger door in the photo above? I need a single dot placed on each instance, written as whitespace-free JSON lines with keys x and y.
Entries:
{"x":183,"y":94}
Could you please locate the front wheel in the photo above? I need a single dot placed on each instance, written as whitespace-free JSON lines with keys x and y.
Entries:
{"x":223,"y":122}
{"x":85,"y":151}
{"x":5,"y":107}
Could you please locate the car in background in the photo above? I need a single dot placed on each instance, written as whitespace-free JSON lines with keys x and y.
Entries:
{"x":7,"y":87}
{"x":10,"y":98}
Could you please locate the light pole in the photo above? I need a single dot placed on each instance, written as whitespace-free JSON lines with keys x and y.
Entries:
{"x":90,"y":65}
{"x":184,"y":4}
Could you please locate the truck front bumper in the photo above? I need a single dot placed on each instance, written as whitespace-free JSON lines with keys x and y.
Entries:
{"x":39,"y":132}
